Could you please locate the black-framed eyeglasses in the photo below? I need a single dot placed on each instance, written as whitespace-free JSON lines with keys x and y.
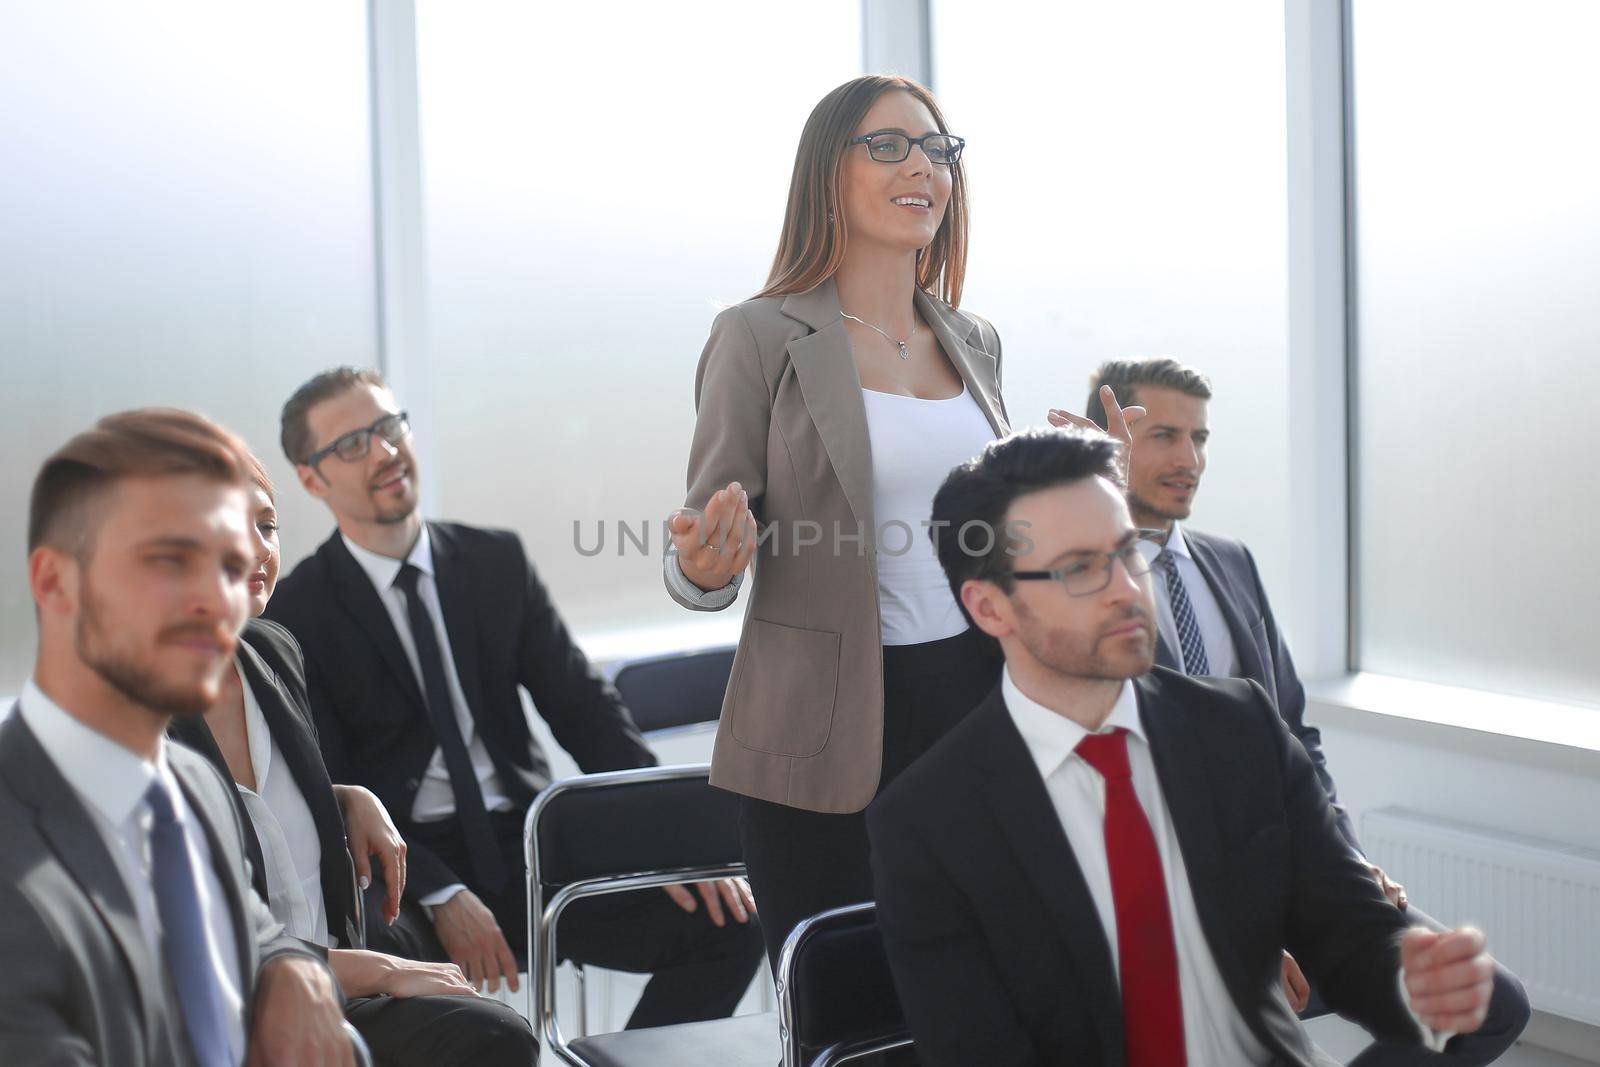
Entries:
{"x":940,"y":148}
{"x":1092,"y":572}
{"x":357,"y":443}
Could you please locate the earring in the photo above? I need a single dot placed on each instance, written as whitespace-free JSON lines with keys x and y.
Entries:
{"x":830,"y":216}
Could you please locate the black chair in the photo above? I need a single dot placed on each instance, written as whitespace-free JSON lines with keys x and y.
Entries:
{"x":677,"y":691}
{"x":836,"y":996}
{"x":625,"y":830}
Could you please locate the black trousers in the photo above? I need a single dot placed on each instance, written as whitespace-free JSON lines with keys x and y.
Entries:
{"x":443,"y":1032}
{"x":698,"y":971}
{"x":803,"y":862}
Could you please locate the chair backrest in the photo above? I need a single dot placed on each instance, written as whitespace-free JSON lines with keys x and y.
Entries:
{"x":601,"y":833}
{"x":682,"y":689}
{"x":836,"y":993}
{"x":632,"y":822}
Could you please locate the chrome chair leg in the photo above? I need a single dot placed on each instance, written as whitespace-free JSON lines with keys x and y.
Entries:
{"x":580,"y":979}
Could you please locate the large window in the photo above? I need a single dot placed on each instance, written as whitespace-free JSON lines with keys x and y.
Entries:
{"x":593,"y":193}
{"x":185,"y":218}
{"x":1478,"y":269}
{"x":1128,"y":193}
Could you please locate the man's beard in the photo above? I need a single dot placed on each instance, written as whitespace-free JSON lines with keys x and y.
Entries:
{"x":1144,"y":511}
{"x":394,"y":514}
{"x":123,"y":671}
{"x":1080,"y":657}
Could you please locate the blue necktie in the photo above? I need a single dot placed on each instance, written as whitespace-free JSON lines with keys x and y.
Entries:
{"x":1194,"y":649}
{"x":183,"y":934}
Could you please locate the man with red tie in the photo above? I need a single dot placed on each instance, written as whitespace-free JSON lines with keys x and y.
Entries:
{"x":1104,"y":862}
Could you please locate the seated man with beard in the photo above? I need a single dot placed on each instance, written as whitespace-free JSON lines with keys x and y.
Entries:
{"x":1103,"y":863}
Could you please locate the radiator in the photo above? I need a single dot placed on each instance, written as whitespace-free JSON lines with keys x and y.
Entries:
{"x":1537,"y":901}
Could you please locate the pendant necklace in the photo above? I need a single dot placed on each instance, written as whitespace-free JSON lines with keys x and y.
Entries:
{"x":905,"y":353}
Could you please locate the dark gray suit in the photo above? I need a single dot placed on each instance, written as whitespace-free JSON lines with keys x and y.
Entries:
{"x":1230,"y":571}
{"x":78,"y":982}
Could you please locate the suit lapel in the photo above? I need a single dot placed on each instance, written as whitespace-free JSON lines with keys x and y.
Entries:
{"x":954,"y":334}
{"x":201,"y":795}
{"x":826,"y":370}
{"x":297,"y":744}
{"x":1176,"y":746}
{"x":1029,"y":822}
{"x":78,"y":844}
{"x":196,"y":734}
{"x":1210,"y":568}
{"x":354,"y":590}
{"x":452,"y":580}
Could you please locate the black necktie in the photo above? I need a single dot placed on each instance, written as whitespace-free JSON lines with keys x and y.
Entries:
{"x":479,"y":835}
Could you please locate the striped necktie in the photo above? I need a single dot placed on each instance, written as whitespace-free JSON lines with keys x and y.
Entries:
{"x":1194,"y":649}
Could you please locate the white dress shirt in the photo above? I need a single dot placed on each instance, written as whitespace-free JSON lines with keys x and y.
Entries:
{"x":915,"y":443}
{"x":435,"y":799}
{"x":1213,"y":1030}
{"x":1221,"y":656}
{"x":111,"y":782}
{"x":291,"y":850}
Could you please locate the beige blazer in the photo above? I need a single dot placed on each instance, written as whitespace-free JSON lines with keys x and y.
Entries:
{"x":780,"y":411}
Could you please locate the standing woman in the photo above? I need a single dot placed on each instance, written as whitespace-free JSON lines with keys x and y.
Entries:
{"x":829,"y":408}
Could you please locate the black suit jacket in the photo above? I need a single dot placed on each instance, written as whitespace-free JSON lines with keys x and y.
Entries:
{"x":273,"y":667}
{"x":1230,"y":571}
{"x":78,"y":982}
{"x":505,"y":634}
{"x":995,"y":943}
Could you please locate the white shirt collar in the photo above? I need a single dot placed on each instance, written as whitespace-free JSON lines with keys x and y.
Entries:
{"x":382,"y":570}
{"x":1052,"y":737}
{"x":1177,"y":544}
{"x":111,"y":778}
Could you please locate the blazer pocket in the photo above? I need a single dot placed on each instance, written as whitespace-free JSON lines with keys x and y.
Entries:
{"x":784,"y":692}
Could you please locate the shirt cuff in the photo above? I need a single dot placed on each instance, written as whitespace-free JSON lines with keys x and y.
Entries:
{"x":440,"y":896}
{"x":1432,"y":1040}
{"x":692,"y":596}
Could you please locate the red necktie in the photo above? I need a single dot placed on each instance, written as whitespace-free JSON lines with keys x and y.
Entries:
{"x":1152,"y":1005}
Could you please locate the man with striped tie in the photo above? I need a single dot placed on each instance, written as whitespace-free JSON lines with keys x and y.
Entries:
{"x":1102,"y":863}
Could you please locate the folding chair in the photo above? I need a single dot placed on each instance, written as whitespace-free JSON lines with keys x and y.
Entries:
{"x":677,"y":692}
{"x":626,"y":830}
{"x":836,"y":996}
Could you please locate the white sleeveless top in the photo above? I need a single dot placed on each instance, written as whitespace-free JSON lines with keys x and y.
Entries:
{"x":915,"y":443}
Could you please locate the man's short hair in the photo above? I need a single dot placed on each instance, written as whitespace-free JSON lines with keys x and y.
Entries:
{"x":969,"y":510}
{"x":294,"y":432}
{"x":1125,"y":376}
{"x":145,"y":443}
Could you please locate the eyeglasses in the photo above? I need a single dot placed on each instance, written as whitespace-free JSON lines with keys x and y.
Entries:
{"x":1092,"y":573}
{"x":940,"y":148}
{"x":357,"y":443}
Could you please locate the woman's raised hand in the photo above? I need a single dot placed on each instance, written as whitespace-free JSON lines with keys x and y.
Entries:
{"x":716,"y":544}
{"x":1119,"y":423}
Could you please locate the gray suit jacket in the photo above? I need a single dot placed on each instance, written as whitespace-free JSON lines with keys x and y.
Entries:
{"x":78,"y":982}
{"x":1230,"y":571}
{"x":779,"y":409}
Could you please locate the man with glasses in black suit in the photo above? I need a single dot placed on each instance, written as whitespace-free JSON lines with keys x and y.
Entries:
{"x":418,"y":638}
